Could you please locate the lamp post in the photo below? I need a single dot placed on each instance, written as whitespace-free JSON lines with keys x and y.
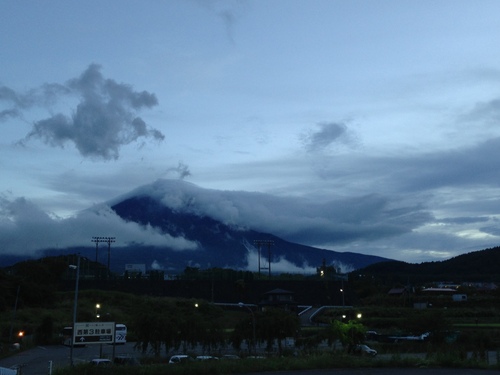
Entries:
{"x":241,"y":304}
{"x":75,"y":305}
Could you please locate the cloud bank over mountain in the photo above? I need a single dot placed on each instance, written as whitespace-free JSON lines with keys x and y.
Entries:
{"x":25,"y":229}
{"x":330,"y":225}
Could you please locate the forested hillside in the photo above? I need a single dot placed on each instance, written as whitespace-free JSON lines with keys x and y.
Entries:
{"x":477,"y":266}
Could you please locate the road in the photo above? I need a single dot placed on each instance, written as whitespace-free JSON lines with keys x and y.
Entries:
{"x":36,"y":362}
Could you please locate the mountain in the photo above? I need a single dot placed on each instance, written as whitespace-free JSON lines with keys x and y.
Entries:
{"x":476,"y":266}
{"x":172,"y":224}
{"x":202,"y":222}
{"x":221,"y":245}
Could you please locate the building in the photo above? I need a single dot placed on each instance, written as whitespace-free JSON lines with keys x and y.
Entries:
{"x":135,"y":270}
{"x":278,"y":298}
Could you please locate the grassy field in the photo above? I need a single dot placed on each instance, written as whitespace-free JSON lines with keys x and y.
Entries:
{"x":315,"y":361}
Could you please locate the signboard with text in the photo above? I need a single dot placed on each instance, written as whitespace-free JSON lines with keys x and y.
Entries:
{"x":94,"y":333}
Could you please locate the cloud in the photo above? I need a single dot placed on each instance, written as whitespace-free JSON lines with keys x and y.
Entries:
{"x":300,"y":220}
{"x":282,"y":265}
{"x":182,"y":171}
{"x":104,"y":120}
{"x":278,"y":266}
{"x":486,"y":112}
{"x":25,"y":228}
{"x":328,"y":133}
{"x":228,"y":12}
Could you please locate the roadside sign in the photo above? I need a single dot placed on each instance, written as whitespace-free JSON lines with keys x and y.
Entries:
{"x":94,"y":333}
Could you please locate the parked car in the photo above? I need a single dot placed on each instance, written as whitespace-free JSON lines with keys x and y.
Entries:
{"x":365,"y":350}
{"x":206,"y":358}
{"x":101,"y":362}
{"x":230,"y":356}
{"x":180,"y":358}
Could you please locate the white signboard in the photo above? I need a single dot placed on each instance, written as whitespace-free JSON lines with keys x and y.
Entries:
{"x":7,"y":371}
{"x":94,"y":333}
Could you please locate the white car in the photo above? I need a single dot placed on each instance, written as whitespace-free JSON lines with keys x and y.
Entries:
{"x":365,"y":350}
{"x":101,"y":362}
{"x":230,"y":356}
{"x":206,"y":358}
{"x":180,"y":358}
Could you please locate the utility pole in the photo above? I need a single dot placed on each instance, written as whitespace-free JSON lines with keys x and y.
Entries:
{"x":14,"y":314}
{"x":259,"y":243}
{"x":107,"y":240}
{"x":75,"y":306}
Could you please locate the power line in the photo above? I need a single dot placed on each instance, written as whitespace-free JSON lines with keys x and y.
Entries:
{"x":259,"y":243}
{"x":107,"y":240}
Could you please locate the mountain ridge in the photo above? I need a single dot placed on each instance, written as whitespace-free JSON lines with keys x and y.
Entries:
{"x":207,"y":228}
{"x":173,"y":224}
{"x":215,"y":238}
{"x":475,"y":266}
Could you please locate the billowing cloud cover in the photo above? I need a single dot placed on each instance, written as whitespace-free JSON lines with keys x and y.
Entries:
{"x":371,"y":129}
{"x":104,"y":119}
{"x":24,"y":228}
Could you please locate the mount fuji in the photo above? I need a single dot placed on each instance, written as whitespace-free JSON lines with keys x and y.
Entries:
{"x":172,"y":224}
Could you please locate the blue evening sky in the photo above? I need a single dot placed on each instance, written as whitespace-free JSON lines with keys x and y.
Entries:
{"x":368,"y":126}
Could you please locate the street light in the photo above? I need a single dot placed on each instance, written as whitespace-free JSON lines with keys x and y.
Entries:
{"x":343,"y":300}
{"x":97,"y":307}
{"x":241,"y":304}
{"x":77,"y":267}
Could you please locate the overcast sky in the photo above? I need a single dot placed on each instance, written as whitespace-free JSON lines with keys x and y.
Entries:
{"x":366,"y":126}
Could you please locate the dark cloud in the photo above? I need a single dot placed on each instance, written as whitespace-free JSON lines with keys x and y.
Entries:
{"x":327,"y":134}
{"x":46,"y":95}
{"x":5,"y":114}
{"x":405,"y":172}
{"x":488,"y":112}
{"x":477,"y":165}
{"x":464,"y":220}
{"x":182,"y":171}
{"x":295,"y":219}
{"x":228,"y":12}
{"x":492,"y":230}
{"x":104,"y":120}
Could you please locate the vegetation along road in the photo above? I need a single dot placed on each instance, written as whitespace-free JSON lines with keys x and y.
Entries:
{"x":390,"y":371}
